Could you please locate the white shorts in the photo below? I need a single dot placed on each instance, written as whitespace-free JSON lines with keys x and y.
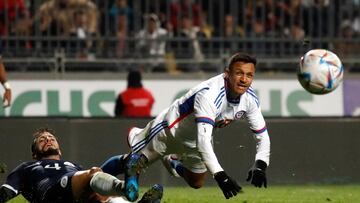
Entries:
{"x":156,"y":141}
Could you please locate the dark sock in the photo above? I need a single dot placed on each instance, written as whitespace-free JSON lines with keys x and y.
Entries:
{"x":114,"y":165}
{"x":178,"y":166}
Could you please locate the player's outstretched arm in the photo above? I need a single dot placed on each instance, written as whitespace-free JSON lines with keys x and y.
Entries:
{"x":257,"y":175}
{"x":228,"y":186}
{"x":6,"y":194}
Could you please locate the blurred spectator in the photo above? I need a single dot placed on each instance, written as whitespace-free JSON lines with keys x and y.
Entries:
{"x":263,"y":15}
{"x":263,"y":22}
{"x":11,"y":12}
{"x":121,"y":35}
{"x":345,"y":47}
{"x":104,"y":17}
{"x":356,"y":21}
{"x":120,"y":11}
{"x":164,"y":21}
{"x":296,"y":31}
{"x":135,"y":101}
{"x":292,"y":19}
{"x":255,"y":19}
{"x":91,"y":13}
{"x":188,"y":8}
{"x":317,"y":18}
{"x":230,"y":27}
{"x":205,"y":34}
{"x":205,"y":28}
{"x":121,"y":16}
{"x":81,"y":33}
{"x":189,"y":47}
{"x":232,"y":32}
{"x":151,"y":41}
{"x":57,"y":17}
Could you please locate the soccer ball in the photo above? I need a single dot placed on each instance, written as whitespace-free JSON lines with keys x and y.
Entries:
{"x":320,"y":72}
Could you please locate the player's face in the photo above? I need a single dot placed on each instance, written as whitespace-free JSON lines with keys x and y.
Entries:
{"x":240,"y":76}
{"x":46,"y":145}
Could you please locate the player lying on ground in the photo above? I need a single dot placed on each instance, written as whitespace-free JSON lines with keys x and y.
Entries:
{"x":50,"y":179}
{"x":185,"y":129}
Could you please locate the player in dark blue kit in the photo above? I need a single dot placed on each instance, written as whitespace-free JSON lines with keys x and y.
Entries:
{"x":48,"y":179}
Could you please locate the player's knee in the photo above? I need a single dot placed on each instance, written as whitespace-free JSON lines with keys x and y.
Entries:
{"x":195,"y":180}
{"x":196,"y":185}
{"x":94,"y":170}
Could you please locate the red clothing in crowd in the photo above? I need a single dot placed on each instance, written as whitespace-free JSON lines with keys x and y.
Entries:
{"x":10,"y":10}
{"x":134,"y":102}
{"x":185,"y":8}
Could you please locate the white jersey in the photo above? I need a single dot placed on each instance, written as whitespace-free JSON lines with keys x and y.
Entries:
{"x":191,"y":119}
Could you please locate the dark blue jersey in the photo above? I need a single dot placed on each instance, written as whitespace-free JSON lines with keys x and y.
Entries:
{"x":43,"y":181}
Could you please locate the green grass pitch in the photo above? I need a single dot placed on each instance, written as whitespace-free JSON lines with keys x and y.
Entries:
{"x":273,"y":194}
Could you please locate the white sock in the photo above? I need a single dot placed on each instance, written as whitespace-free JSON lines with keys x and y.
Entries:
{"x":106,"y":184}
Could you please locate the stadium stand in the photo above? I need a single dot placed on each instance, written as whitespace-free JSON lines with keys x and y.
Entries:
{"x":98,"y":35}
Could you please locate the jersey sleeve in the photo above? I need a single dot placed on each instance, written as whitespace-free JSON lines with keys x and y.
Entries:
{"x":79,"y":167}
{"x":205,"y":114}
{"x":205,"y":147}
{"x":258,"y":127}
{"x":6,"y":194}
{"x":204,"y":110}
{"x":15,"y":179}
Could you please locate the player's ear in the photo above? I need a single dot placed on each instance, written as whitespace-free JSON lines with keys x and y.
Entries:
{"x":226,"y":72}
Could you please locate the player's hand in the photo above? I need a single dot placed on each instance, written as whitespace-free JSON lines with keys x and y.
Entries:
{"x":228,"y":186}
{"x":7,"y":98}
{"x":257,"y":174}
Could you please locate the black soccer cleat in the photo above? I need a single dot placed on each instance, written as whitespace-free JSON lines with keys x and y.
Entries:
{"x":153,"y":195}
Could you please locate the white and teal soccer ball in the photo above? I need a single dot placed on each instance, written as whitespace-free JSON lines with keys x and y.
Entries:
{"x":320,"y":72}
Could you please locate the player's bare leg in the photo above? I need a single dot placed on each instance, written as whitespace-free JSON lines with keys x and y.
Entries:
{"x":195,"y":180}
{"x":80,"y":182}
{"x":177,"y":169}
{"x":94,"y":180}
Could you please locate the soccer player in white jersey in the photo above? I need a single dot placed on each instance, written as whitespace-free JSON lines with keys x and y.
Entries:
{"x":181,"y":135}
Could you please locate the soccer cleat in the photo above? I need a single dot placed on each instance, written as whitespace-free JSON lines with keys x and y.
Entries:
{"x":167,"y":163}
{"x":153,"y":195}
{"x":132,"y":168}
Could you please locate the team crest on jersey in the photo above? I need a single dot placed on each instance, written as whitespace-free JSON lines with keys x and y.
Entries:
{"x":239,"y":115}
{"x":64,"y":181}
